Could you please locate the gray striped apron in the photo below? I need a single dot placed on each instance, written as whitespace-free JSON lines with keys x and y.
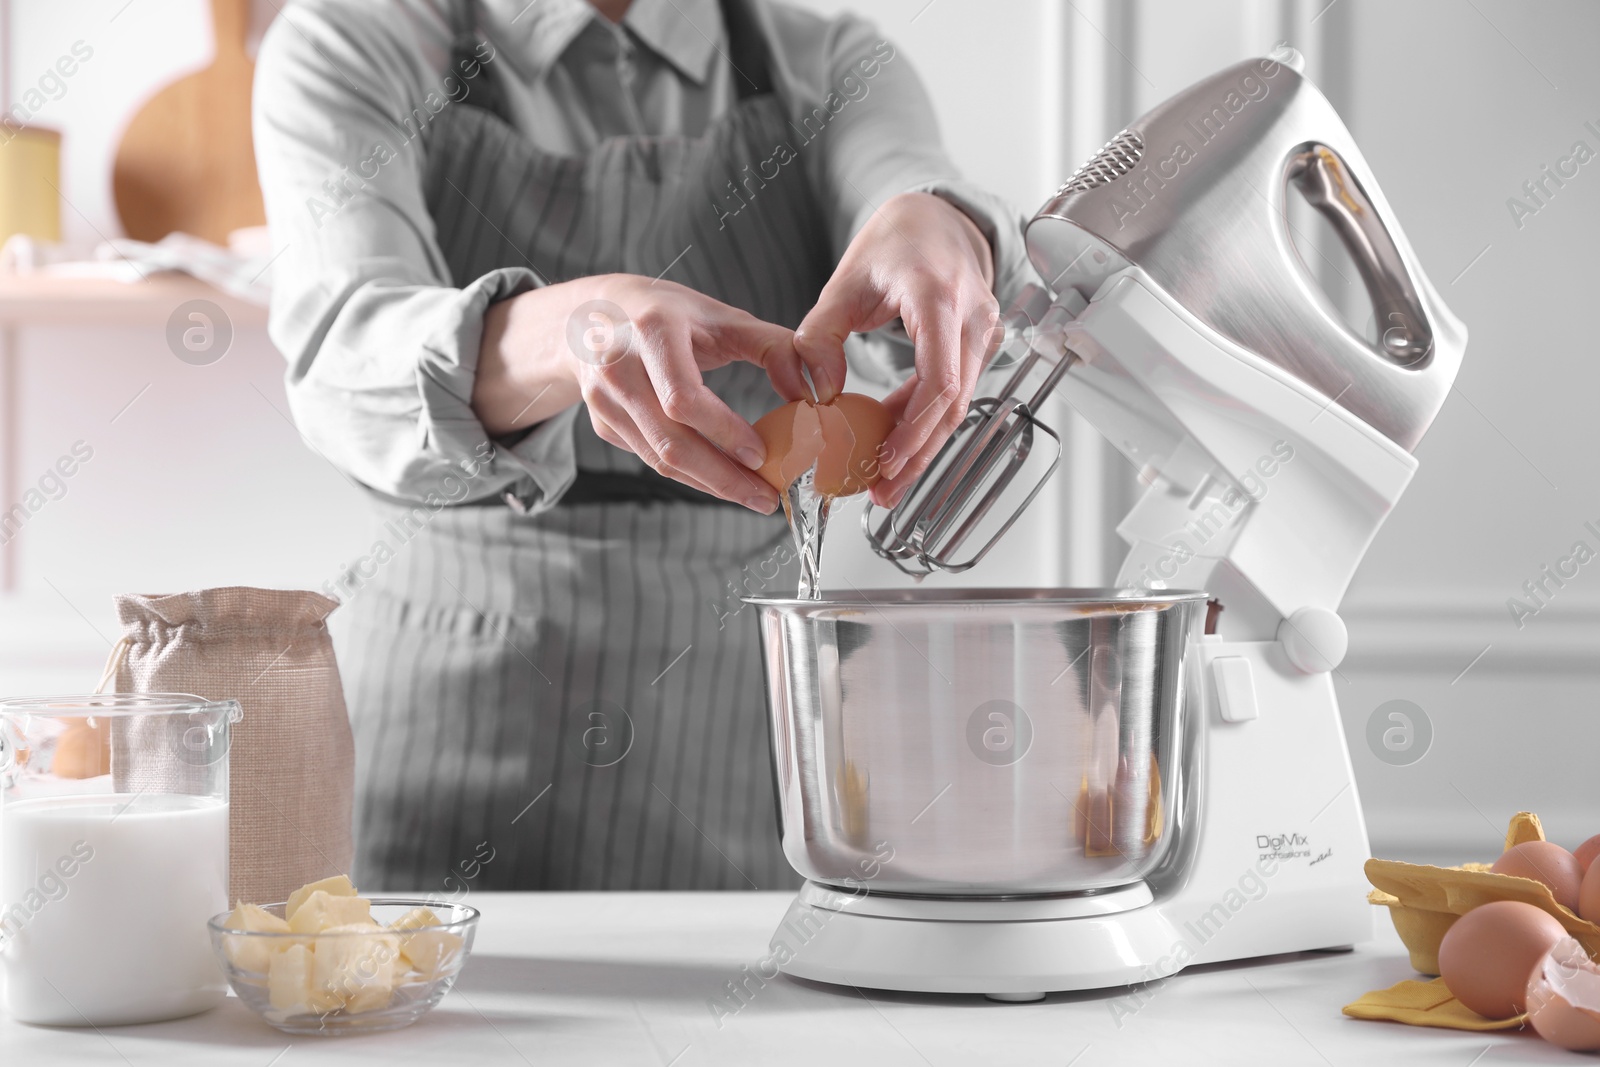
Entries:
{"x":572,"y":699}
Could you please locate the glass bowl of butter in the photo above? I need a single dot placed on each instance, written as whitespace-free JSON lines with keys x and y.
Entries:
{"x":328,"y":961}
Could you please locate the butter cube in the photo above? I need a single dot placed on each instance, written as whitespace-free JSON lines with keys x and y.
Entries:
{"x":337,"y":886}
{"x":322,"y":911}
{"x":355,"y":964}
{"x":416,"y":917}
{"x":429,"y":951}
{"x":289,"y":985}
{"x":254,"y":953}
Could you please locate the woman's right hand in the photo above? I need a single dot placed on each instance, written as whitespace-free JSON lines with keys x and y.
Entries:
{"x":634,"y":350}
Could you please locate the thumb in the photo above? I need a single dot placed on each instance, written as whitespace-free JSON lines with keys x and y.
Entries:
{"x":847,"y":305}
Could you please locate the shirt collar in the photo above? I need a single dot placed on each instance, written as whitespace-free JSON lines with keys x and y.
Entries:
{"x":686,"y":33}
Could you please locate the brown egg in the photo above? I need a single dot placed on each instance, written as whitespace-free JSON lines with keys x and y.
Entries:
{"x":842,"y":438}
{"x":83,"y":751}
{"x":793,"y":436}
{"x":1589,"y":893}
{"x":1588,"y":852}
{"x":1546,"y":862}
{"x":1564,"y":998}
{"x":1488,"y":955}
{"x":853,"y":429}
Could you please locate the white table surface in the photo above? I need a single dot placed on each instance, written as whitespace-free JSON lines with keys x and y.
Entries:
{"x":624,"y":978}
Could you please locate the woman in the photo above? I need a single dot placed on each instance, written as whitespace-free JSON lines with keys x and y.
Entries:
{"x":541,"y":266}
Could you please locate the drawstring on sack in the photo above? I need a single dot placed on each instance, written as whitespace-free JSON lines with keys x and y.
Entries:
{"x":119,"y":653}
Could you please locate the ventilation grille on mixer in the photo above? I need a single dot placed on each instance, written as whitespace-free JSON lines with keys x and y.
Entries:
{"x":1117,"y":158}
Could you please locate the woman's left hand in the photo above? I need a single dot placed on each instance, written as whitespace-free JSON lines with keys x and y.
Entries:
{"x":922,"y":260}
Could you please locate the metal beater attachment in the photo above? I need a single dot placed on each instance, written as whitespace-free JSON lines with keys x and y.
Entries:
{"x":951,"y":503}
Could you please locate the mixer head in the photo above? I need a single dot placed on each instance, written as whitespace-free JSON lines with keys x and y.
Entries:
{"x":1196,"y":193}
{"x":1193,"y":198}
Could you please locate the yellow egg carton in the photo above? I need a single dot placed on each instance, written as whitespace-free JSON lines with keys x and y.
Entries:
{"x":1424,"y":901}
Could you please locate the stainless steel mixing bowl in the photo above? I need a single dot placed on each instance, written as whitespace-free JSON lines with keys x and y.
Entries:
{"x":981,"y":742}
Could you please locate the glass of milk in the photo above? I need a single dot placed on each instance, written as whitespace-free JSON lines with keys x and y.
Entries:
{"x":113,"y":854}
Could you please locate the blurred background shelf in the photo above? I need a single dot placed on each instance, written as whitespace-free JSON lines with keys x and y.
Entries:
{"x":53,"y":300}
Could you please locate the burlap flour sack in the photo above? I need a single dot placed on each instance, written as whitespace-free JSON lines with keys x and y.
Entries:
{"x":292,"y":761}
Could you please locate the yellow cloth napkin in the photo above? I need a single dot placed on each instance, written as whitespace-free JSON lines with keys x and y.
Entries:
{"x":1425,"y":1004}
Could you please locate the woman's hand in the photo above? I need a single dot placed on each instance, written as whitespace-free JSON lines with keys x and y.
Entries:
{"x":921,"y":259}
{"x":634,"y":350}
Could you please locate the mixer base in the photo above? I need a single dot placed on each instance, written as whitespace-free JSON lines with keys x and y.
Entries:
{"x":1008,"y":950}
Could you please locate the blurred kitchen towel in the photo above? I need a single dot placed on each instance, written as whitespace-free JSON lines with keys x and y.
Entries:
{"x":292,"y":762}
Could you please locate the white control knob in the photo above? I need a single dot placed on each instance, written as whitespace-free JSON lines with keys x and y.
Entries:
{"x":1315,"y":639}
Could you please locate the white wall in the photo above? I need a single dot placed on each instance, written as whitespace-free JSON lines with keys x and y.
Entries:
{"x":1455,"y":110}
{"x":198,"y":482}
{"x":1454,"y":105}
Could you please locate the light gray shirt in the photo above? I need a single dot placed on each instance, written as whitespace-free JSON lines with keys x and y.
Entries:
{"x":382,"y":346}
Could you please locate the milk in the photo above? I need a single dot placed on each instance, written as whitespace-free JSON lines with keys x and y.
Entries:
{"x":103,"y":907}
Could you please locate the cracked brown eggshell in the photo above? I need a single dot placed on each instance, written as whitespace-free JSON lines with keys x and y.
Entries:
{"x":842,"y":438}
{"x":1564,"y":998}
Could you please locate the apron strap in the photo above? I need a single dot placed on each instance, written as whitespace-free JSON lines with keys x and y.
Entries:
{"x":747,"y":45}
{"x":485,"y":90}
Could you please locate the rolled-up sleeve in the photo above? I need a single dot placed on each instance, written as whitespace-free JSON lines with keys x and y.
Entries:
{"x":382,"y":347}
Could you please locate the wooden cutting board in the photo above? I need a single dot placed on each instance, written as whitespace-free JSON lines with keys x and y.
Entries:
{"x":186,"y":161}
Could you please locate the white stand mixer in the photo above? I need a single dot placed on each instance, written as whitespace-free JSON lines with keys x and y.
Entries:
{"x":1273,"y":441}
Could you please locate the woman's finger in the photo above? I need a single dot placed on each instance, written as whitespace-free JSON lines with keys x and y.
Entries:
{"x":606,"y":432}
{"x":680,"y":449}
{"x":978,"y":338}
{"x":613,"y":426}
{"x":632,"y":441}
{"x":888,"y":491}
{"x":936,"y":332}
{"x":731,"y":334}
{"x":849,"y":303}
{"x":978,"y":341}
{"x":683,"y":397}
{"x":895,"y":402}
{"x":981,"y":337}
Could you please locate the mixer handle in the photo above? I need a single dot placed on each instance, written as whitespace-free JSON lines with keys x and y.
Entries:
{"x":1406,"y":336}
